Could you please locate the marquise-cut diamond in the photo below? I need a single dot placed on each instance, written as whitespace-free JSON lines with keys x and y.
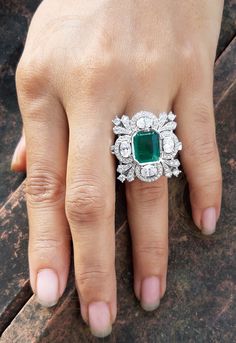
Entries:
{"x":125,"y":121}
{"x":116,"y":121}
{"x":122,"y":168}
{"x":171,"y":125}
{"x":173,"y":163}
{"x":118,"y":130}
{"x":162,"y":119}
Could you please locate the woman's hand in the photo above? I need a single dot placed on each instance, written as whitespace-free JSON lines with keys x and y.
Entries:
{"x":83,"y":63}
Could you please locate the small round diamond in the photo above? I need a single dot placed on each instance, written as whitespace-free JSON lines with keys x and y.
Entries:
{"x":171,"y":116}
{"x":176,"y":172}
{"x":148,"y":122}
{"x":121,"y":177}
{"x":141,"y":123}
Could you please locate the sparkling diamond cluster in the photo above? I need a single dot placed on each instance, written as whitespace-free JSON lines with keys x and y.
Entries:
{"x":146,"y":146}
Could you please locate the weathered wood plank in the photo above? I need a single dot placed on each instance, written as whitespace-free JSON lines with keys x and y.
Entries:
{"x":228,"y":26}
{"x":225,"y":77}
{"x":15,"y":17}
{"x":14,"y":283}
{"x":10,"y":121}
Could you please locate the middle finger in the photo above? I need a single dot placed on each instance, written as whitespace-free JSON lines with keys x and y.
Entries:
{"x":90,"y":205}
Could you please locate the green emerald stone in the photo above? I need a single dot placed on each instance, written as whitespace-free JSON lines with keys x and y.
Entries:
{"x":146,"y":145}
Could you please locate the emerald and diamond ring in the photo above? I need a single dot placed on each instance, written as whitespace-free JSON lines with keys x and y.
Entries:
{"x":146,"y":146}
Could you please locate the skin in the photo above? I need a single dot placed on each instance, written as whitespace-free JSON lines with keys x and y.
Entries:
{"x":83,"y":63}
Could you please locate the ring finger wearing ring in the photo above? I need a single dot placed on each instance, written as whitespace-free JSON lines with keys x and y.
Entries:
{"x":146,"y":148}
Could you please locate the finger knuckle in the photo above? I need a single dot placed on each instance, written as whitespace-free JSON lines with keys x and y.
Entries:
{"x":147,"y":193}
{"x":86,"y":202}
{"x":153,"y":250}
{"x":46,"y":244}
{"x":32,"y":77}
{"x":191,"y":55}
{"x":44,"y":188}
{"x":147,"y":66}
{"x":93,"y":280}
{"x":203,"y":150}
{"x":91,"y":275}
{"x":194,"y":62}
{"x":188,"y":52}
{"x":202,"y":116}
{"x":45,"y":248}
{"x":207,"y":183}
{"x":96,"y":74}
{"x":103,"y":63}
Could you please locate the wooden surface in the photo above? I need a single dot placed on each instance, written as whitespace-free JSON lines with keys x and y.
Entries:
{"x":199,"y":305}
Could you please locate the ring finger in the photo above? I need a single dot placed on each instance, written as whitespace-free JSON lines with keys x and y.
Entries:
{"x":148,"y":219}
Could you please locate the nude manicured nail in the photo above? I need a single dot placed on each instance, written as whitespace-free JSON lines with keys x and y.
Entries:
{"x":47,"y":291}
{"x":99,"y":319}
{"x":15,"y":155}
{"x":150,"y":293}
{"x":209,"y":221}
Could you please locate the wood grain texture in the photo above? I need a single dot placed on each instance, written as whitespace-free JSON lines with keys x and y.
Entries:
{"x":14,"y":282}
{"x":225,"y":77}
{"x":228,"y":25}
{"x":199,"y":305}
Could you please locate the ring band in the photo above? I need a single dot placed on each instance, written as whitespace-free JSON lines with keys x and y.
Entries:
{"x":146,"y":146}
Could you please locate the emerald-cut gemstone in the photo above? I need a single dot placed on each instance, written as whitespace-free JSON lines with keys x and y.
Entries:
{"x":146,"y":145}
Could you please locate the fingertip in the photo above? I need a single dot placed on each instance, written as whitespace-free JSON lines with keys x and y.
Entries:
{"x":150,"y":293}
{"x":18,"y":162}
{"x":99,"y":319}
{"x":47,"y":287}
{"x":208,"y":221}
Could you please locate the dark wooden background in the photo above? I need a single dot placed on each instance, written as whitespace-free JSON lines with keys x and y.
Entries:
{"x":199,"y":305}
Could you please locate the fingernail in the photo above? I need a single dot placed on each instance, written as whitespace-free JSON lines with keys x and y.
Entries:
{"x":150,"y":293}
{"x":99,"y":319}
{"x":208,"y":221}
{"x":47,"y":287}
{"x":15,"y":155}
